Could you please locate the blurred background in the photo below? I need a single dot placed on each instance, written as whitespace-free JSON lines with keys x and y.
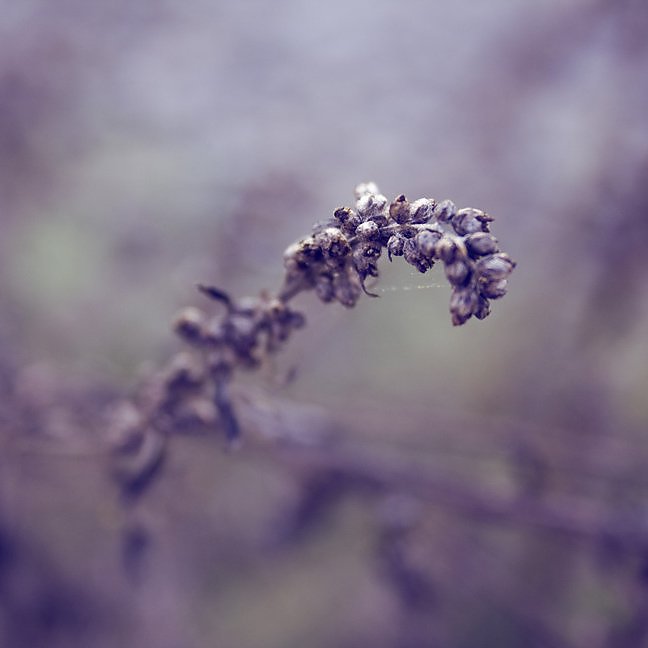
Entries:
{"x":480,"y":486}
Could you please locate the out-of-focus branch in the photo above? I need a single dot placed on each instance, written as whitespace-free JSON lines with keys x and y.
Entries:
{"x":577,"y":519}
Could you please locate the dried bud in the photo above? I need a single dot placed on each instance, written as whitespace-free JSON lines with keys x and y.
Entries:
{"x":466,"y":221}
{"x":381,"y":202}
{"x":189,"y":325}
{"x":485,"y":221}
{"x":481,"y":243}
{"x":395,"y":245}
{"x":372,"y":269}
{"x":463,"y":303}
{"x":458,"y":272}
{"x":426,"y":241}
{"x":368,"y":249}
{"x":482,"y":310}
{"x":309,"y":251}
{"x":495,"y":267}
{"x":342,"y":214}
{"x":421,"y":210}
{"x":301,"y":255}
{"x":380,"y":219}
{"x":350,"y":226}
{"x":348,"y":219}
{"x":333,"y":243}
{"x":493,"y":289}
{"x":365,"y":257}
{"x":450,"y":248}
{"x":368,"y":231}
{"x":414,"y":257}
{"x":444,"y":211}
{"x":366,"y":267}
{"x":399,"y":210}
{"x":371,"y":205}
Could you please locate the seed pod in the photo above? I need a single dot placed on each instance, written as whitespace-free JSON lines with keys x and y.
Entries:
{"x":444,"y":211}
{"x":360,"y":262}
{"x":480,"y":244}
{"x":421,"y":210}
{"x":395,"y":245}
{"x":365,"y":256}
{"x":381,"y":202}
{"x":450,"y":248}
{"x":458,"y":272}
{"x":368,"y":231}
{"x":370,"y":205}
{"x":380,"y":219}
{"x":348,"y":219}
{"x":372,"y":268}
{"x":426,"y":241}
{"x":414,"y":257}
{"x":189,"y":325}
{"x":301,"y":255}
{"x":495,"y":267}
{"x":399,"y":210}
{"x":342,"y":214}
{"x":482,"y":310}
{"x":365,"y":188}
{"x":369,"y":249}
{"x":463,"y":303}
{"x":485,"y":221}
{"x":493,"y":289}
{"x":333,"y":243}
{"x":466,"y":221}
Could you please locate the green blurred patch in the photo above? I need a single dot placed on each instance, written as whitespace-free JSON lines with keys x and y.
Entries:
{"x":56,"y":263}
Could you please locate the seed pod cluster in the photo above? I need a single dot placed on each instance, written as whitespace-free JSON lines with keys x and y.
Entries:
{"x":336,"y":260}
{"x":248,"y":331}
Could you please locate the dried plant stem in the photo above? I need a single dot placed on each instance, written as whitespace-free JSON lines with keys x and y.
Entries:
{"x":574,"y":518}
{"x":334,"y":262}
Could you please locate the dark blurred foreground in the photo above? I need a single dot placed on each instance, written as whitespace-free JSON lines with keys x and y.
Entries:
{"x":401,"y":483}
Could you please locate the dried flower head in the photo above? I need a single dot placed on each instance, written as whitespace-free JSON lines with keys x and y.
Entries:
{"x":335,"y":262}
{"x":422,"y":231}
